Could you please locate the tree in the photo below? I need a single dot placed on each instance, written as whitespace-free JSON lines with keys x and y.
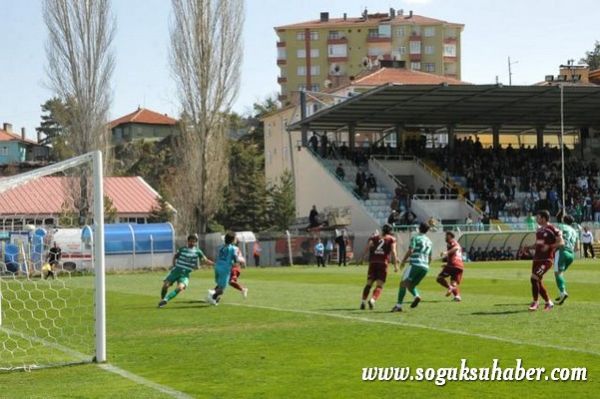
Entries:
{"x":110,"y":212}
{"x":161,"y":212}
{"x":80,"y":66}
{"x":592,"y":58}
{"x":54,"y":125}
{"x":206,"y":55}
{"x":283,"y":206}
{"x":245,"y":204}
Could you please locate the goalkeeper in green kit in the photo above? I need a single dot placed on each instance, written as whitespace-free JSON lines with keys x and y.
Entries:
{"x":564,"y":256}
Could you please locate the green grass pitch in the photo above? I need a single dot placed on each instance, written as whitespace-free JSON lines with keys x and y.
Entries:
{"x":300,"y":334}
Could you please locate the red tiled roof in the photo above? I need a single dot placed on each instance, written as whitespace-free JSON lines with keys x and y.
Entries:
{"x":403,"y":76}
{"x":6,"y":136}
{"x":371,"y":21}
{"x":130,"y":195}
{"x":144,"y":116}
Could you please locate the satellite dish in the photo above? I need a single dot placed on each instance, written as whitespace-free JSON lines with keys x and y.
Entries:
{"x":327,"y":83}
{"x":335,"y":69}
{"x":366,"y":61}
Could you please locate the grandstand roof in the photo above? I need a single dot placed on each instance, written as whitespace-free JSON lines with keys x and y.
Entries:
{"x":469,"y":108}
{"x":144,"y":116}
{"x":46,"y":195}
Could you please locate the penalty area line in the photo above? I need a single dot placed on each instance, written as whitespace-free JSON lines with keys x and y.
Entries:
{"x":421,"y":326}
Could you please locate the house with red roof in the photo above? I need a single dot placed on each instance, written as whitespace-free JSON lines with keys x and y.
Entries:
{"x":42,"y":201}
{"x":142,"y":124}
{"x":17,"y":149}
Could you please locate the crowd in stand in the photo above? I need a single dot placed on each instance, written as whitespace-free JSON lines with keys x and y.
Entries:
{"x":479,"y":254}
{"x":495,"y":177}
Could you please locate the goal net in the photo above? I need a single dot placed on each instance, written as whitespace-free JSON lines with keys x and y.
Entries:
{"x":52,"y":265}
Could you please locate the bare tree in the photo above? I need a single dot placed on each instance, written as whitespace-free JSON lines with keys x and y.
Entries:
{"x":80,"y":66}
{"x":206,"y":55}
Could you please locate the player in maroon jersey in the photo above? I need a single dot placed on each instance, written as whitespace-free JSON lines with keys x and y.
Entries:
{"x":379,"y":248}
{"x":453,"y":267}
{"x":547,"y":239}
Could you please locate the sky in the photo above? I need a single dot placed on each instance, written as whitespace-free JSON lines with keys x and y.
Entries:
{"x":537,"y":35}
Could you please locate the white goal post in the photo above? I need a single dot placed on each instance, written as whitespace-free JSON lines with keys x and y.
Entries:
{"x":42,"y":315}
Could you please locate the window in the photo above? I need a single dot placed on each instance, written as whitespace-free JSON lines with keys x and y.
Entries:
{"x":314,"y":53}
{"x":429,"y":50}
{"x":302,"y":87}
{"x":415,"y":47}
{"x":337,"y":50}
{"x":449,"y":50}
{"x":429,"y":67}
{"x":281,"y":53}
{"x":334,"y":34}
{"x":300,"y":35}
{"x":301,"y":53}
{"x":416,"y":30}
{"x":315,"y":87}
{"x":429,"y":31}
{"x":314,"y":35}
{"x":385,"y":30}
{"x":373,"y":33}
{"x":375,"y":51}
{"x":402,"y":50}
{"x":3,"y":150}
{"x":315,"y":70}
{"x":415,"y":66}
{"x":301,"y":71}
{"x":451,"y":33}
{"x":400,"y":31}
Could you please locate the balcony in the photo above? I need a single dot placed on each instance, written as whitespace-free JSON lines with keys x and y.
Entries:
{"x":379,"y":39}
{"x":414,"y":57}
{"x":281,"y":79}
{"x":280,"y":44}
{"x":450,"y":40}
{"x":337,"y":40}
{"x":450,"y":59}
{"x":337,"y":58}
{"x":281,"y":62}
{"x":415,"y":37}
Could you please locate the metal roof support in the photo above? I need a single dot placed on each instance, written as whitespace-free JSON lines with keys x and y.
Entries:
{"x":539,"y":132}
{"x":352,"y":136}
{"x":400,"y":137}
{"x":496,"y":136}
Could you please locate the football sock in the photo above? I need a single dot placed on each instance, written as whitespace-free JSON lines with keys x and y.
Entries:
{"x":163,"y":292}
{"x":376,"y":293}
{"x":456,"y":291}
{"x":401,"y":294}
{"x":561,"y":283}
{"x":235,"y":285}
{"x":414,"y":291}
{"x":535,"y":289}
{"x":366,"y":291}
{"x":543,"y":291}
{"x":171,"y":295}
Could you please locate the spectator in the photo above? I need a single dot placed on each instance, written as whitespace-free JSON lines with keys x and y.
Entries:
{"x":314,"y":142}
{"x":371,"y":183}
{"x":313,"y":217}
{"x":256,"y":250}
{"x":324,"y":149}
{"x":394,"y":218}
{"x":339,"y":172}
{"x":328,"y":250}
{"x":587,"y":239}
{"x":342,"y":241}
{"x":53,"y":259}
{"x":431,"y":191}
{"x":319,"y":253}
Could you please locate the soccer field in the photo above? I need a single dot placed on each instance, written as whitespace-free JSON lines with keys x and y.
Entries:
{"x":300,"y":334}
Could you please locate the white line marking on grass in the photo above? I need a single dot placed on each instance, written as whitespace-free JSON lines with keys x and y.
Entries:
{"x":422,"y":326}
{"x":105,"y":366}
{"x":142,"y":381}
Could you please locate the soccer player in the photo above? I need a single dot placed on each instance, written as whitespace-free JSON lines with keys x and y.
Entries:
{"x":564,"y":256}
{"x":227,"y":257}
{"x":547,"y":239}
{"x":419,"y":252}
{"x":185,"y":261}
{"x":236,"y":270}
{"x":453,"y":267}
{"x":379,"y":248}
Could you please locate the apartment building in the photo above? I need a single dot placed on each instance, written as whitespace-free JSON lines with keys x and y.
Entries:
{"x":329,"y":52}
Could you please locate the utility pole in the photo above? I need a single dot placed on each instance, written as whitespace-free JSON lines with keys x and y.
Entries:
{"x":510,"y":71}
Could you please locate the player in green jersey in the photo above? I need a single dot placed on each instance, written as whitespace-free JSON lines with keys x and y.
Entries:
{"x":185,"y":261}
{"x":419,"y":253}
{"x":564,"y":256}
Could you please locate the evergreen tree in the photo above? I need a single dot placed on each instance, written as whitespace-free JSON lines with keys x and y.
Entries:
{"x":110,"y":211}
{"x":283,"y":206}
{"x":54,"y":126}
{"x":162,"y":212}
{"x":592,"y":58}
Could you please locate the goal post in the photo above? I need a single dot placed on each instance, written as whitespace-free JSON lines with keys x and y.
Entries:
{"x":58,"y":321}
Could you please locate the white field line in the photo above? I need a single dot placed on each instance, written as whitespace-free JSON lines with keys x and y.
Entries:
{"x":104,"y":366}
{"x":421,"y":326}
